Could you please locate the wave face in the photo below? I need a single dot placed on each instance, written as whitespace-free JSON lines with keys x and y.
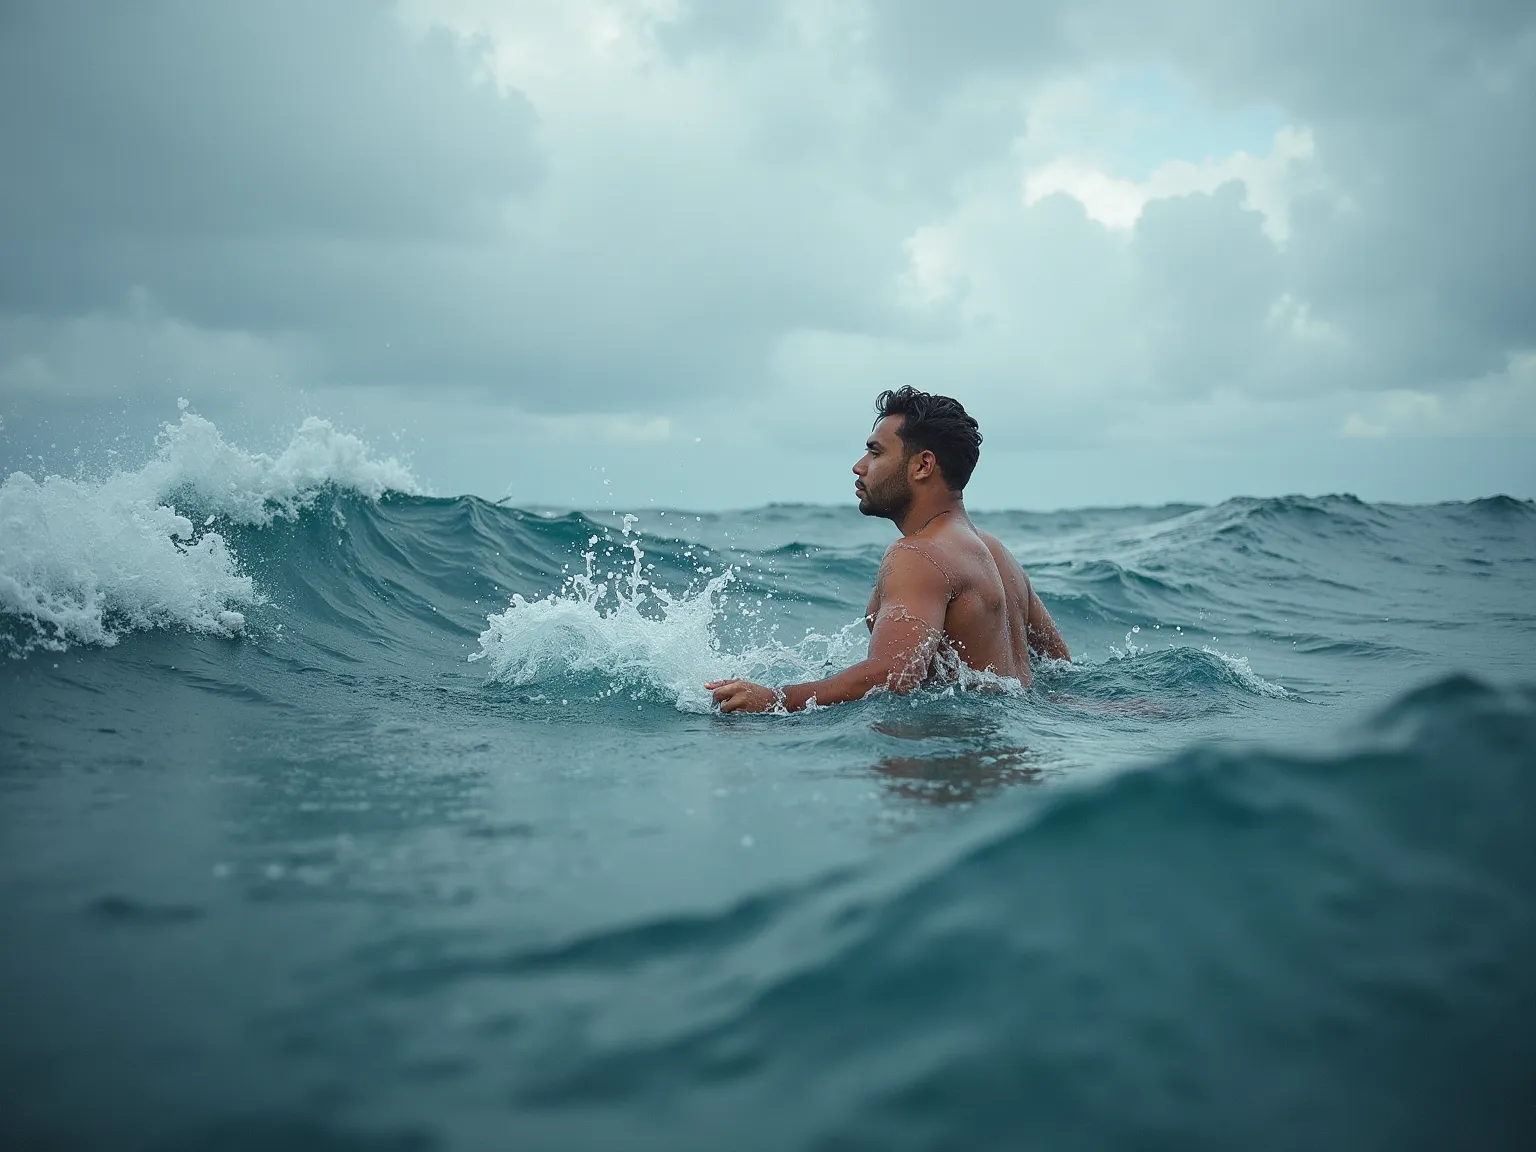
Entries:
{"x":339,"y":814}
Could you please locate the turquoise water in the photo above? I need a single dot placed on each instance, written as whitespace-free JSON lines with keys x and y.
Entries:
{"x":333,"y":815}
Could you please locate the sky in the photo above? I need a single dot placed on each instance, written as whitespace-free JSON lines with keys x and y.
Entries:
{"x":632,"y":252}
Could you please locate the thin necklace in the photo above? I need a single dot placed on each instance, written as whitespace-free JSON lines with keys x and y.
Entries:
{"x":932,"y":518}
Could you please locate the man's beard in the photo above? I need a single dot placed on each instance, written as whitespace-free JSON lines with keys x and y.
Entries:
{"x":891,"y":499}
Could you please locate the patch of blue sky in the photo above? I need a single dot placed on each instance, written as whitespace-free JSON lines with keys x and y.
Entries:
{"x":1165,"y":118}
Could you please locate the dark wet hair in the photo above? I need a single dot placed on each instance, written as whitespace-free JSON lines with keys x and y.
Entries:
{"x":934,"y":424}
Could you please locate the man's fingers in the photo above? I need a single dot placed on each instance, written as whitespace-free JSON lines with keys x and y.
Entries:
{"x":734,"y":695}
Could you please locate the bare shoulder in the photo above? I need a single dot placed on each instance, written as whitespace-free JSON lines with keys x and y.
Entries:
{"x":912,"y":578}
{"x":991,"y":541}
{"x":1007,"y":565}
{"x":909,"y":555}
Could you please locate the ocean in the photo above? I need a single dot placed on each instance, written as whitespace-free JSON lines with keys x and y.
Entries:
{"x":334,"y":815}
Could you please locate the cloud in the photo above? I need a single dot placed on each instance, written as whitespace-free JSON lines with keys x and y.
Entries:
{"x":1118,"y":202}
{"x":144,"y":143}
{"x":96,"y":356}
{"x":1411,"y":237}
{"x":1497,"y":406}
{"x":631,"y":222}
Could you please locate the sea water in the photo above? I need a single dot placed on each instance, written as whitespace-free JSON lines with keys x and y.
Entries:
{"x":336,"y":815}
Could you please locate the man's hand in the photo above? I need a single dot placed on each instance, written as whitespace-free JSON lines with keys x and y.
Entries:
{"x":743,"y":696}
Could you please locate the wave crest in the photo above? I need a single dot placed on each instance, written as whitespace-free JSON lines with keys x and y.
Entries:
{"x":84,"y":562}
{"x":197,"y":465}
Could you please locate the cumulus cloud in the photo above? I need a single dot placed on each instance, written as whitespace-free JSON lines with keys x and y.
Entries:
{"x":1118,"y":201}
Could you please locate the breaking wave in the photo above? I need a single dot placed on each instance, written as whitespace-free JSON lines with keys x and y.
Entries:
{"x":84,"y":562}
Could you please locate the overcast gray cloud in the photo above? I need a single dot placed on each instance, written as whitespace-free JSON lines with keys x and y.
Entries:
{"x":694,"y":240}
{"x":154,"y":139}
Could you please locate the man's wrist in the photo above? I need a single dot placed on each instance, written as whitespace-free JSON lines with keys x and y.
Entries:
{"x":798,"y":697}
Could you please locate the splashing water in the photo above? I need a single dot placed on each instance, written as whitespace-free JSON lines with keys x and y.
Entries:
{"x":1239,"y":667}
{"x":88,"y":561}
{"x":632,"y":635}
{"x":637,"y":637}
{"x":196,"y":463}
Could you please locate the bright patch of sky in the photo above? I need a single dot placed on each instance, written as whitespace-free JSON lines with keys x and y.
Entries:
{"x":1164,"y":119}
{"x":1120,"y":138}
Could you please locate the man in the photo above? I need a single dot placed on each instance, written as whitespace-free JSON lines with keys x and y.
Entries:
{"x":948,"y":595}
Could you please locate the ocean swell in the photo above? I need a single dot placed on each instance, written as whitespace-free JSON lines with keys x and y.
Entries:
{"x":1228,"y":948}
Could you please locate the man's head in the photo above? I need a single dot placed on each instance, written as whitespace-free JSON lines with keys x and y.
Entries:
{"x":918,"y":439}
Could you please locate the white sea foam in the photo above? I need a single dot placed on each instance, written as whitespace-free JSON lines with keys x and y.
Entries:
{"x":87,"y":561}
{"x":1239,"y":667}
{"x":252,"y":488}
{"x":641,"y":639}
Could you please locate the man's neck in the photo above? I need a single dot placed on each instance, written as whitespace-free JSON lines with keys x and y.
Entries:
{"x":924,"y":512}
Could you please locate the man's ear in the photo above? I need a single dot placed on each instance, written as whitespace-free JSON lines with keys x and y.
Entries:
{"x":924,"y":464}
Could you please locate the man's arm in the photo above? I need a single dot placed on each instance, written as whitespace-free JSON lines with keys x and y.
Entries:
{"x":1043,"y":636}
{"x":914,"y":596}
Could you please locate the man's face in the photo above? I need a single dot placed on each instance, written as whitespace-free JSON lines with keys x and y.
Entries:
{"x":882,"y":485}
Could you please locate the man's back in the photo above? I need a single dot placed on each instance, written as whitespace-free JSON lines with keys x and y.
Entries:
{"x":988,"y":622}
